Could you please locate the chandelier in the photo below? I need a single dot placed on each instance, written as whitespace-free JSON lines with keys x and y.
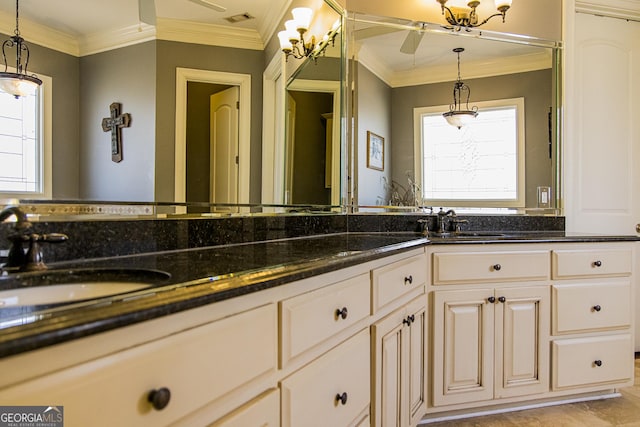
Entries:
{"x":456,"y":116}
{"x":18,"y":83}
{"x":461,"y":16}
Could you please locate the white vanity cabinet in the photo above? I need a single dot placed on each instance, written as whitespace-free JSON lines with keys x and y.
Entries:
{"x":490,"y":330}
{"x":299,"y":354}
{"x":399,"y":342}
{"x":519,"y":323}
{"x":184,"y":372}
{"x":592,"y":316}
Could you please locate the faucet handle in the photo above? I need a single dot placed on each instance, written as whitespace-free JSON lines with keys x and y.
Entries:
{"x":424,"y":222}
{"x":456,"y":223}
{"x":34,"y":260}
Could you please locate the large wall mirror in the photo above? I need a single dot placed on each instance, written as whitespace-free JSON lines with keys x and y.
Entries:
{"x":175,"y":82}
{"x":405,"y":70}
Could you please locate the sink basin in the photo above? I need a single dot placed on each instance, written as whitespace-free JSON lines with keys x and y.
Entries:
{"x":472,"y":235}
{"x":479,"y":234}
{"x":67,"y":286}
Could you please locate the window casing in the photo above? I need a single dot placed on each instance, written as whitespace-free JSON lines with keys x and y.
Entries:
{"x":481,"y":165}
{"x":25,"y":144}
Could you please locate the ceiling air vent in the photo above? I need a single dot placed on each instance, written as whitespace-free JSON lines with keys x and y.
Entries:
{"x":239,"y":18}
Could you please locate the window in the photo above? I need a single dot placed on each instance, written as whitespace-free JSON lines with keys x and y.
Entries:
{"x":25,"y":144}
{"x":480,"y":165}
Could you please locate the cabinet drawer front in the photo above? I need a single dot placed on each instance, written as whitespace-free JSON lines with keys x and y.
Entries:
{"x":395,"y":280}
{"x":592,"y":361}
{"x":596,"y":262}
{"x":311,"y":318}
{"x":309,"y":396}
{"x":585,"y":307}
{"x":478,"y":267}
{"x":263,"y":411}
{"x":197,"y":366}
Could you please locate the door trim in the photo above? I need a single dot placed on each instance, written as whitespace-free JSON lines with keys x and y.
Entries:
{"x":184,"y":75}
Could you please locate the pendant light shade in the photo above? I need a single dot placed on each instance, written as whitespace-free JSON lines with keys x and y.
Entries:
{"x":18,"y":83}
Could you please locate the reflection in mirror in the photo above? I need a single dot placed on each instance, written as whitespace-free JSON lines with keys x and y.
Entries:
{"x":404,"y":67}
{"x":312,"y":134}
{"x":152,"y":175}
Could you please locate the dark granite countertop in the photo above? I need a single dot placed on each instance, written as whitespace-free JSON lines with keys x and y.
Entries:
{"x":198,"y":277}
{"x":206,"y":275}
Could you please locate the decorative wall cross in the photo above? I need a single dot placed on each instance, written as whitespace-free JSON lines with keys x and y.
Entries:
{"x":115,"y":123}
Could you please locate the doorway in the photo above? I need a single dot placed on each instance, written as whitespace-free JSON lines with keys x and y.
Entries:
{"x":242,"y":82}
{"x":212,"y":145}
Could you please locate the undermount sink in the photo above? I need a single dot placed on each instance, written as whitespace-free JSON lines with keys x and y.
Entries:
{"x":471,"y":235}
{"x":479,"y":234}
{"x":67,"y":286}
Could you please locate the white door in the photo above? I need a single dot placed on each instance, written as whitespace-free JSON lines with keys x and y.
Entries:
{"x":602,"y":138}
{"x":224,"y":146}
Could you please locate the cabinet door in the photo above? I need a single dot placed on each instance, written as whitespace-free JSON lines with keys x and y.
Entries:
{"x":522,"y":341}
{"x":399,"y":361}
{"x":415,"y":361}
{"x":464,"y":338}
{"x":388,"y":336}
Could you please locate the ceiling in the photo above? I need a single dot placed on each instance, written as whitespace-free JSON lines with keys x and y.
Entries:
{"x":87,"y":19}
{"x":405,"y":53}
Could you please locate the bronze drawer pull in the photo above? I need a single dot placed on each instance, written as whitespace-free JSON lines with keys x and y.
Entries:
{"x":597,"y":263}
{"x":342,"y":313}
{"x":497,"y":267}
{"x":502,"y":299}
{"x":491,"y":299}
{"x":598,"y":362}
{"x":342,"y":398}
{"x":409,"y":320}
{"x":159,"y":398}
{"x":597,"y":308}
{"x":408,"y":279}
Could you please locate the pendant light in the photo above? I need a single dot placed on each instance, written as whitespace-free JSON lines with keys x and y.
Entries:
{"x":456,"y":116}
{"x":18,"y":83}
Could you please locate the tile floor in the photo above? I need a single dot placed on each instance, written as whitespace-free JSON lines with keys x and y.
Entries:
{"x":621,"y":411}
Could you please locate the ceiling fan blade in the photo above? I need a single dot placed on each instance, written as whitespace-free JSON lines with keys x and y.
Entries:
{"x":147,"y":11}
{"x":412,"y":42}
{"x":365,"y":33}
{"x":210,"y":5}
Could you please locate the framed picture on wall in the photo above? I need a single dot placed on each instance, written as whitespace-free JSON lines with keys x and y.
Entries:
{"x":375,"y":151}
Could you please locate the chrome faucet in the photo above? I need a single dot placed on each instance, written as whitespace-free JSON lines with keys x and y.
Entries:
{"x":32,"y":259}
{"x":441,"y":224}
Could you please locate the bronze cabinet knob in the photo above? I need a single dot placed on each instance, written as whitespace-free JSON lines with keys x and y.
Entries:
{"x":159,"y":398}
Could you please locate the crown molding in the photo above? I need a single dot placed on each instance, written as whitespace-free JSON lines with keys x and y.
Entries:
{"x":208,"y":34}
{"x":166,"y":29}
{"x":40,"y":34}
{"x":270,"y":23}
{"x":623,"y":9}
{"x":375,"y":65}
{"x":444,"y":73}
{"x":127,"y":36}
